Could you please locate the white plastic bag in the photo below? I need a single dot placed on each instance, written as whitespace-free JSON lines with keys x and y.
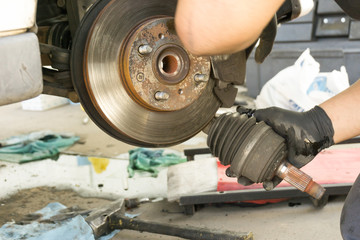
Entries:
{"x":301,"y":86}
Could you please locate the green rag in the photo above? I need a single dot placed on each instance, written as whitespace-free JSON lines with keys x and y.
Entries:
{"x":150,"y":160}
{"x":48,"y":146}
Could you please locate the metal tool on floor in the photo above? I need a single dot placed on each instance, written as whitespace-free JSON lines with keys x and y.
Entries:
{"x":112,"y":217}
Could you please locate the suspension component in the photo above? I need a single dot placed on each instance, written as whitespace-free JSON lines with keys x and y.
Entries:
{"x":256,"y":152}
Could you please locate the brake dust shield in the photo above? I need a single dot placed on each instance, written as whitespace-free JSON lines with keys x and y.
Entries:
{"x":134,"y":78}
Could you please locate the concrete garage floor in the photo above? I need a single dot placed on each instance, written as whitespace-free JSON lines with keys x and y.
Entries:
{"x":274,"y":221}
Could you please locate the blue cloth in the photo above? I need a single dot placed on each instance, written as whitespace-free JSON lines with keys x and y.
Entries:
{"x":75,"y":228}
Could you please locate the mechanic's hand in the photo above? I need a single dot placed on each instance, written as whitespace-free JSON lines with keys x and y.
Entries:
{"x":306,"y":133}
{"x":268,"y":185}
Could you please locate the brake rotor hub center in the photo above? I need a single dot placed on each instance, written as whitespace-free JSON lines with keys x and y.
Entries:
{"x":158,"y":73}
{"x":171,"y":64}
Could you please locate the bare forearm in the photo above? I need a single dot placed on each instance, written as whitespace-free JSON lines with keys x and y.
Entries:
{"x":344,"y":112}
{"x":209,"y":27}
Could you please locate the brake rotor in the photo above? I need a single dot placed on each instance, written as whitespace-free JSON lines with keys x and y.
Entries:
{"x":135,"y":79}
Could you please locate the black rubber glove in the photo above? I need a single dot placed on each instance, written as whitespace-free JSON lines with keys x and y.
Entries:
{"x":306,"y":133}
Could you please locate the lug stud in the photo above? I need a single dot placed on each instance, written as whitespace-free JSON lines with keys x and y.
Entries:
{"x":145,"y":49}
{"x":199,"y":78}
{"x":161,"y":96}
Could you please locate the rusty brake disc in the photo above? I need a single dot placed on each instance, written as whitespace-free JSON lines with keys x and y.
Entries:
{"x":135,"y":79}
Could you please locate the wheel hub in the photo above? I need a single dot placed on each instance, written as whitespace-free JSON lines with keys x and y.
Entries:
{"x":158,"y":72}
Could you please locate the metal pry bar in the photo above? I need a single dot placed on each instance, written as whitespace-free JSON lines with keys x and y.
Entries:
{"x":112,"y":216}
